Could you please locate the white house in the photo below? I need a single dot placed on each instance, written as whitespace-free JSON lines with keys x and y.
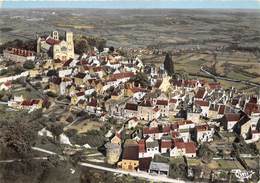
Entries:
{"x":204,"y":133}
{"x":187,"y":149}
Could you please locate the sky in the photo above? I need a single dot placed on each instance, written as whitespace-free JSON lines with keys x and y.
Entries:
{"x":133,"y":4}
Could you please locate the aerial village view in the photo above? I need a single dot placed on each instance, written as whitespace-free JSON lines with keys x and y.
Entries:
{"x":93,"y":96}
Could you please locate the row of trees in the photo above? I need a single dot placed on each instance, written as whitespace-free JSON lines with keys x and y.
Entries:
{"x":84,"y":44}
{"x":17,"y":43}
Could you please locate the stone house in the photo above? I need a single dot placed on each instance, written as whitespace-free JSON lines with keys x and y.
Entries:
{"x":130,"y":159}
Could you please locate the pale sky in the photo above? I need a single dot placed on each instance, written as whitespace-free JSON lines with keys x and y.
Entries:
{"x":129,"y":4}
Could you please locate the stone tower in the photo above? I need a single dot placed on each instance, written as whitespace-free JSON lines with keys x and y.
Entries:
{"x":113,"y":152}
{"x":55,"y":35}
{"x":38,"y":45}
{"x":70,"y":43}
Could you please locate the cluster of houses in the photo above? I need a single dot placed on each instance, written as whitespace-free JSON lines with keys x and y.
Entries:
{"x":18,"y":55}
{"x":166,"y":116}
{"x":199,"y":109}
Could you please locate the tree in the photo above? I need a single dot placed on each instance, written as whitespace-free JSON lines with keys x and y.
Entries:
{"x":81,"y":47}
{"x":205,"y":153}
{"x":111,"y":49}
{"x":19,"y":137}
{"x":28,"y":64}
{"x":168,"y":64}
{"x":56,"y":129}
{"x":71,"y":132}
{"x":140,"y":79}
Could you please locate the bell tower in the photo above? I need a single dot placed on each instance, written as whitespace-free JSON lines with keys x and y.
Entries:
{"x":55,"y":35}
{"x":70,"y":43}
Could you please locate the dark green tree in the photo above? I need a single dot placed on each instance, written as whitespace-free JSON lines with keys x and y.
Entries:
{"x":81,"y":47}
{"x":205,"y":153}
{"x":28,"y":64}
{"x":140,"y":79}
{"x":168,"y":64}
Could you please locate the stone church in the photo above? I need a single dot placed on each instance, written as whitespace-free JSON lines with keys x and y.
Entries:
{"x":55,"y":47}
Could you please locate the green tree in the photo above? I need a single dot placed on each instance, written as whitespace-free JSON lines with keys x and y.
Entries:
{"x":19,"y":137}
{"x":56,"y":129}
{"x":168,"y":64}
{"x":81,"y":47}
{"x":205,"y":153}
{"x":28,"y":64}
{"x":140,"y":79}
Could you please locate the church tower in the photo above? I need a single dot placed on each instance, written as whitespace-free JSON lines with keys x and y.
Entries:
{"x":38,"y":39}
{"x":55,"y":35}
{"x":70,"y":43}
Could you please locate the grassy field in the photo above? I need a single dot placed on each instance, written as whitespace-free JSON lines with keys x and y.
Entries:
{"x":224,"y":165}
{"x":26,"y":94}
{"x":86,"y":126}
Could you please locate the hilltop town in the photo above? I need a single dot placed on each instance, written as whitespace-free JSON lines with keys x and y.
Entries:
{"x":109,"y":110}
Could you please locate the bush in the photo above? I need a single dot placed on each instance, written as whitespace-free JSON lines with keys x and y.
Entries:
{"x":3,"y":72}
{"x":51,"y":94}
{"x":71,"y":132}
{"x":28,"y":64}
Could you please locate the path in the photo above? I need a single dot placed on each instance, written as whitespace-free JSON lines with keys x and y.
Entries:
{"x":156,"y":178}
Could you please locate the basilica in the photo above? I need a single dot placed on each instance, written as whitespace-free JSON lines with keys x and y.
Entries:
{"x":53,"y":46}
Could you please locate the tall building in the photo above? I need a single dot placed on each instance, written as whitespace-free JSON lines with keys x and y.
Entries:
{"x":56,"y":48}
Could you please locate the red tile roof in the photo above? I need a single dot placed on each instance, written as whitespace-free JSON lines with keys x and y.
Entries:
{"x":252,"y":108}
{"x":30,"y":102}
{"x":253,"y":100}
{"x":80,"y":94}
{"x":153,"y":130}
{"x":232,"y":116}
{"x":200,"y":93}
{"x":221,"y":109}
{"x":132,"y":107}
{"x":188,"y":146}
{"x":137,"y":89}
{"x":184,"y":122}
{"x":173,"y":101}
{"x":166,"y":129}
{"x":51,"y":41}
{"x":213,"y":86}
{"x":146,"y":103}
{"x":166,"y":144}
{"x":93,"y":103}
{"x":175,"y":134}
{"x":80,"y":75}
{"x":141,"y":145}
{"x":158,"y":83}
{"x":8,"y":83}
{"x":144,"y":163}
{"x":202,"y":127}
{"x":162,"y":102}
{"x":131,"y":152}
{"x":20,"y":52}
{"x":201,"y":103}
{"x":122,"y":75}
{"x":67,"y":63}
{"x":177,"y":83}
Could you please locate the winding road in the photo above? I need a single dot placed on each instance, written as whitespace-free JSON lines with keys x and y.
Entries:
{"x":229,"y":79}
{"x":144,"y":175}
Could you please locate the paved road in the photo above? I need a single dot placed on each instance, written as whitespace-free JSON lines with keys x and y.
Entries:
{"x":135,"y":174}
{"x":43,"y":150}
{"x":156,"y":178}
{"x":13,"y":160}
